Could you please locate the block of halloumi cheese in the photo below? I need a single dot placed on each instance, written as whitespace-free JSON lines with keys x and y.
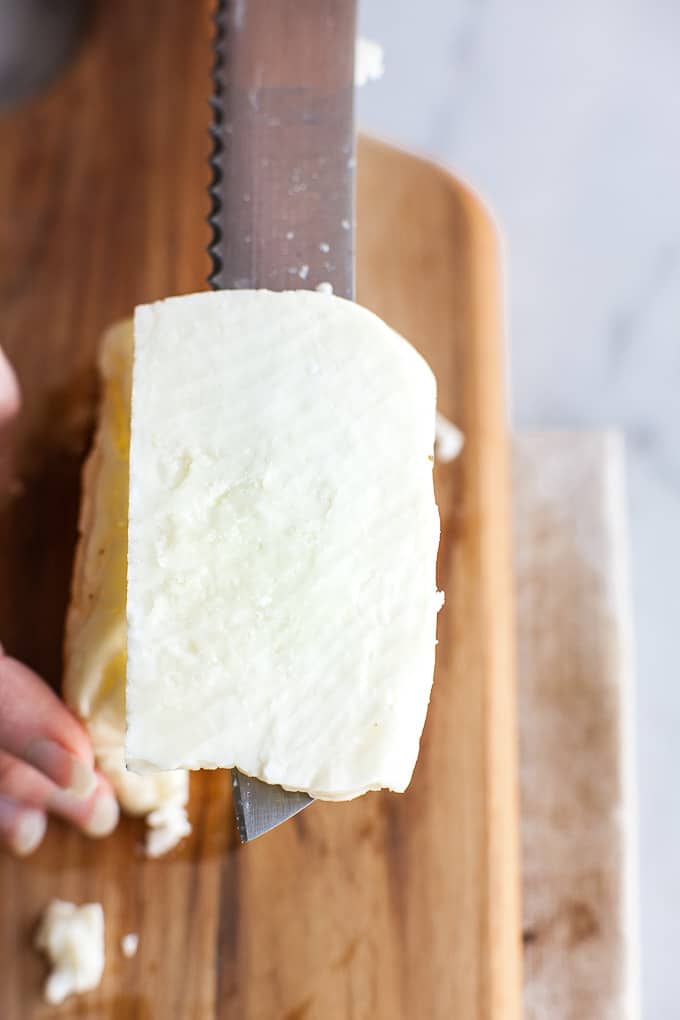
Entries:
{"x":283,"y":533}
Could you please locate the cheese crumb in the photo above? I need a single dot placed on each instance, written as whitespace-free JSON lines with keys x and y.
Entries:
{"x":369,"y":61}
{"x":324,"y":287}
{"x":448,"y":440}
{"x":167,"y":825}
{"x":129,"y":944}
{"x":72,"y":938}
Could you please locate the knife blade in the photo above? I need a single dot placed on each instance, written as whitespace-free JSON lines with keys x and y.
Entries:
{"x":282,"y":192}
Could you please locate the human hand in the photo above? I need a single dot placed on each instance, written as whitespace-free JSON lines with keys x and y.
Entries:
{"x":46,"y":759}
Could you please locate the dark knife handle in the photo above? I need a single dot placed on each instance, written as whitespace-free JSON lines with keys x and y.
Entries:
{"x":283,"y":133}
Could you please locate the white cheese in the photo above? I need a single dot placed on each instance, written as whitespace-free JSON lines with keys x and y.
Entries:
{"x":448,"y":440}
{"x":129,"y":944}
{"x":369,"y":61}
{"x":167,"y":825}
{"x":72,"y":938}
{"x":283,"y":533}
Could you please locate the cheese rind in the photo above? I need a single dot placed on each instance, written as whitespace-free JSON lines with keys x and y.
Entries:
{"x":281,"y":603}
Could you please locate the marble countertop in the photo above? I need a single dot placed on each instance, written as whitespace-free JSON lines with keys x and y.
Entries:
{"x":566,"y":117}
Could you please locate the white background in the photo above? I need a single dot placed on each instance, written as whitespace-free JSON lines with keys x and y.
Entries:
{"x":567,"y":118}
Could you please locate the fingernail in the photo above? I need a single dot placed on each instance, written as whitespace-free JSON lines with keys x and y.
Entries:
{"x":62,"y":767}
{"x":104,"y":816}
{"x":83,"y":779}
{"x":28,"y":831}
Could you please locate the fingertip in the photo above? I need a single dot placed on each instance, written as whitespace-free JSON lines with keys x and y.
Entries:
{"x":37,"y":726}
{"x":29,"y":831}
{"x":96,"y":816}
{"x":104,"y":816}
{"x":83,"y":779}
{"x":22,"y":827}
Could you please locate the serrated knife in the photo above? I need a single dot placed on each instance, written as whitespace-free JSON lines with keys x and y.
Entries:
{"x":282,"y":192}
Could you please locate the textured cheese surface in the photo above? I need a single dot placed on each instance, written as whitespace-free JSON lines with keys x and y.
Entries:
{"x":94,"y":668}
{"x":72,"y":938}
{"x":282,"y":542}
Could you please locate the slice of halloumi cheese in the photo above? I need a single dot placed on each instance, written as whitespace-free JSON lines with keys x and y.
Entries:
{"x":95,"y":647}
{"x":283,"y":534}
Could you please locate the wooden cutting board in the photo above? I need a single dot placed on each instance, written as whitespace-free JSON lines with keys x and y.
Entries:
{"x":388,"y":907}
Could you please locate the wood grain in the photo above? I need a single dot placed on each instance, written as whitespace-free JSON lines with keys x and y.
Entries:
{"x":578,"y":817}
{"x":388,"y":907}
